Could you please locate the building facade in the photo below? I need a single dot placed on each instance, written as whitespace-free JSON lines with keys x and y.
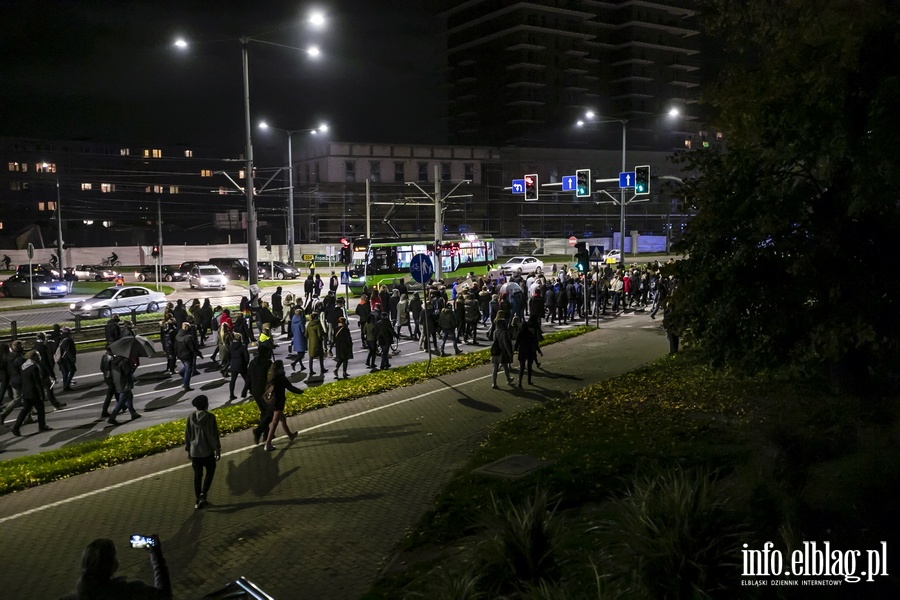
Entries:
{"x":520,"y":73}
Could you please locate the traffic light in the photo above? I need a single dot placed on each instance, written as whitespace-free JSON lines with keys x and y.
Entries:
{"x":583,"y":183}
{"x":346,"y":252}
{"x":582,"y":257}
{"x":642,"y":180}
{"x":531,"y":187}
{"x":268,"y":243}
{"x":155,"y":252}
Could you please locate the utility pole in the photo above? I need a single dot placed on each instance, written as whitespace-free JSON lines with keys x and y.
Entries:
{"x":438,"y":225}
{"x":59,"y":240}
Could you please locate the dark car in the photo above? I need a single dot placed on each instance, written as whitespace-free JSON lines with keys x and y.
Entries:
{"x":44,"y":286}
{"x":236,"y":269}
{"x":168,"y":273}
{"x":282,"y":270}
{"x":38,"y":269}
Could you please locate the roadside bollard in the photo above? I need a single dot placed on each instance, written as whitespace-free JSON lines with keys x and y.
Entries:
{"x":13,"y":330}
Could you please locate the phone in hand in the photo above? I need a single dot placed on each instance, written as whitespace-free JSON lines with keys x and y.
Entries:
{"x":142,"y":541}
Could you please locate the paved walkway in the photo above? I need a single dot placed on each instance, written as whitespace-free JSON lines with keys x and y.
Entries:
{"x":316,"y":519}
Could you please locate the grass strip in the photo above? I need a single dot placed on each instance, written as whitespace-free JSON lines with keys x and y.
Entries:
{"x":29,"y":471}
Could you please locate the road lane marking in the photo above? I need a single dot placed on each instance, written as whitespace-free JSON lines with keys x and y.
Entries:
{"x":231,"y":452}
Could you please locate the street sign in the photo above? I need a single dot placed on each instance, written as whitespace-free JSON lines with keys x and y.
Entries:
{"x":345,"y":277}
{"x":30,"y":250}
{"x":573,"y":240}
{"x":626,"y":179}
{"x":518,"y":186}
{"x":569,"y":183}
{"x":420,"y":268}
{"x":596,"y":254}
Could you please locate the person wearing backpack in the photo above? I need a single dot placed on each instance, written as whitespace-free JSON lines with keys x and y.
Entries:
{"x":123,"y":381}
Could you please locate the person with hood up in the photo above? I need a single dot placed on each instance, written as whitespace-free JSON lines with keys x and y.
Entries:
{"x":501,"y":351}
{"x":201,"y":441}
{"x":298,"y":339}
{"x":315,"y":341}
{"x":187,"y":350}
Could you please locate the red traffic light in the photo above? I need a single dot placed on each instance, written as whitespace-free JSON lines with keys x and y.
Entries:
{"x":345,"y":242}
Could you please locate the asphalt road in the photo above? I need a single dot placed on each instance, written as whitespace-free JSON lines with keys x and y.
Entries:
{"x":318,"y":518}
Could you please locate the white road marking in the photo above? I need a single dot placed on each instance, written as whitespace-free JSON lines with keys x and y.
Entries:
{"x":236,"y":451}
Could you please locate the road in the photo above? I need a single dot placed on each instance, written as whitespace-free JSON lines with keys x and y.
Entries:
{"x":318,"y":518}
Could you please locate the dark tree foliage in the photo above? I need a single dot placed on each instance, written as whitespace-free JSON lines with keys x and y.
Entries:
{"x":793,"y":251}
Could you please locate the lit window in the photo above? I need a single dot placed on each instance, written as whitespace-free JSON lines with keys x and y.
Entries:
{"x":46,"y":205}
{"x":124,"y":151}
{"x":188,"y":153}
{"x":157,"y":153}
{"x":107,"y":187}
{"x":719,"y":136}
{"x":146,"y":153}
{"x":241,"y":174}
{"x":24,"y":167}
{"x":173,"y":189}
{"x":1,"y":224}
{"x":205,"y":172}
{"x":15,"y":186}
{"x":85,"y":186}
{"x":13,"y":166}
{"x":45,"y":167}
{"x":687,"y":144}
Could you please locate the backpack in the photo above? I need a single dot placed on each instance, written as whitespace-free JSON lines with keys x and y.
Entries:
{"x":269,"y":394}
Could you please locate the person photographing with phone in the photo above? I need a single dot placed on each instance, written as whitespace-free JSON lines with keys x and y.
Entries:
{"x":98,"y":568}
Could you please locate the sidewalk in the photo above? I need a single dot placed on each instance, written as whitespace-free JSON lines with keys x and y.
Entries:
{"x":319,"y":517}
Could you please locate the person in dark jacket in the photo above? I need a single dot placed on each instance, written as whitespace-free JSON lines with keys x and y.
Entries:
{"x":264,"y":316}
{"x":67,"y":358}
{"x":98,"y":567}
{"x":242,"y":327}
{"x":179,"y":313}
{"x":343,"y":347}
{"x":501,"y":352}
{"x":527,"y":345}
{"x":384,"y":336}
{"x":238,"y":361}
{"x":204,"y":319}
{"x":106,"y":370}
{"x":363,"y":310}
{"x":187,"y":350}
{"x":280,"y":384}
{"x":447,"y":323}
{"x":48,"y":376}
{"x":167,"y":331}
{"x":111,"y":330}
{"x":201,"y":442}
{"x":257,"y":373}
{"x":13,"y":363}
{"x":315,"y":343}
{"x":123,"y":380}
{"x":32,"y":394}
{"x":5,"y":389}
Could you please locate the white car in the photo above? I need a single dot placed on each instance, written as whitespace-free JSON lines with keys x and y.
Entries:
{"x":206,"y":277}
{"x":525,"y":265}
{"x":94,"y":273}
{"x":118,"y":300}
{"x":612,"y":257}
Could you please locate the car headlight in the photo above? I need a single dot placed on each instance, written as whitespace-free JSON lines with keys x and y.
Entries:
{"x":72,"y":307}
{"x":87,"y":307}
{"x":203,"y":281}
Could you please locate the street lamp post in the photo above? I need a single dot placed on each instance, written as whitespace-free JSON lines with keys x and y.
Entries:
{"x":290,"y":166}
{"x":592,"y":117}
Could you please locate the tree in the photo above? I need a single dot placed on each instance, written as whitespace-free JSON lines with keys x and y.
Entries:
{"x":797,"y":222}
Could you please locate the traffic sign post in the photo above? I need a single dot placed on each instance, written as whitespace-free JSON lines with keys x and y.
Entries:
{"x":420,"y":268}
{"x":570,"y":183}
{"x":518,"y":186}
{"x":596,"y":254}
{"x":626,"y":179}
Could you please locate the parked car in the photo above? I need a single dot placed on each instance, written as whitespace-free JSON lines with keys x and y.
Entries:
{"x":118,"y":300}
{"x":207,"y":277}
{"x":522,"y":264}
{"x":282,"y":270}
{"x":94,"y":273}
{"x":168,"y":273}
{"x":236,"y":268}
{"x":44,"y":286}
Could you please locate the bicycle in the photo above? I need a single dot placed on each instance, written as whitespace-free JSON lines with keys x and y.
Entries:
{"x":107,"y":262}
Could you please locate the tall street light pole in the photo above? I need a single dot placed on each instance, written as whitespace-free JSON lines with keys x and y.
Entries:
{"x":592,"y":117}
{"x":290,"y":167}
{"x":253,"y":270}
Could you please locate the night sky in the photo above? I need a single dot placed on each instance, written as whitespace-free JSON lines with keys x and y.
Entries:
{"x":107,"y":71}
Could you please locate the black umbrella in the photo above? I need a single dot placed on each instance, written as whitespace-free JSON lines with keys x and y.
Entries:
{"x":132,"y":347}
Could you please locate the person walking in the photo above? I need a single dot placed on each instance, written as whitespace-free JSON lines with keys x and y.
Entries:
{"x":343,"y":347}
{"x":277,"y":309}
{"x":5,"y":389}
{"x":257,"y":373}
{"x":48,"y":374}
{"x":201,"y":442}
{"x":15,"y":358}
{"x":111,"y":330}
{"x":67,"y":358}
{"x":363,"y":310}
{"x":447,"y":323}
{"x":238,"y":362}
{"x":123,"y":380}
{"x":527,"y":345}
{"x":204,"y":319}
{"x":501,"y":352}
{"x":187,"y":350}
{"x":106,"y":370}
{"x":371,"y":341}
{"x":223,"y":346}
{"x":315,"y":340}
{"x":298,"y":339}
{"x":384,"y":336}
{"x":32,"y":394}
{"x":167,"y":332}
{"x":403,"y":316}
{"x":277,"y":386}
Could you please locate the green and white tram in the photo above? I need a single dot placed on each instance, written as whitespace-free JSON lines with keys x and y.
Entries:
{"x":385,"y":261}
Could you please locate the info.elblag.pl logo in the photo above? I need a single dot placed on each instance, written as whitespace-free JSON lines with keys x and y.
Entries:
{"x":813,"y":564}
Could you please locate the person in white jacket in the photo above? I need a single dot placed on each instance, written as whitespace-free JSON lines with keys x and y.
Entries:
{"x":201,"y":441}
